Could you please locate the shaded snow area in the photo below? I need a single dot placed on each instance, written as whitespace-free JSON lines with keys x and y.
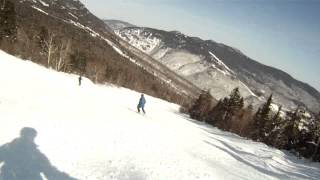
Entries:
{"x":93,"y":132}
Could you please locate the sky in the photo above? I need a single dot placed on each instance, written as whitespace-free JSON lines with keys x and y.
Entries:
{"x":281,"y":33}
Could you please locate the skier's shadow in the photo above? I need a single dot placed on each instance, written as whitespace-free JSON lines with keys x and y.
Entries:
{"x":22,"y":160}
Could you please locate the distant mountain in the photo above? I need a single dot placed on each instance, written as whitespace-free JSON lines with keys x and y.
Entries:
{"x":220,"y":68}
{"x":117,"y":25}
{"x":64,"y":35}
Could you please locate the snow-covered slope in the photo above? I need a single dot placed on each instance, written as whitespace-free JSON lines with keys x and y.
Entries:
{"x":93,"y":132}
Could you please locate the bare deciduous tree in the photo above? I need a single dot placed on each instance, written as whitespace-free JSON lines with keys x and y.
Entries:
{"x":50,"y":47}
{"x":97,"y":71}
{"x":60,"y":62}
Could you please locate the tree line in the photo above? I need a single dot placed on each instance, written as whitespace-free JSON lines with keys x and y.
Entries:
{"x":297,"y":131}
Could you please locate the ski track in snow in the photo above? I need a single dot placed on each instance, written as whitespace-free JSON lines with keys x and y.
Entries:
{"x":93,"y":132}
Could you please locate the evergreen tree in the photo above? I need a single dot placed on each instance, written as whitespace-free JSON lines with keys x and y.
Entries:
{"x":233,"y":104}
{"x":200,"y":109}
{"x":241,"y":121}
{"x":291,"y":128}
{"x":277,"y":118}
{"x":235,"y":101}
{"x":274,"y":127}
{"x":215,"y":113}
{"x":261,"y":121}
{"x":222,"y":114}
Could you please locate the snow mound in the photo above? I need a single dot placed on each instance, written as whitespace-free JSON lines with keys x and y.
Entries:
{"x":94,"y":132}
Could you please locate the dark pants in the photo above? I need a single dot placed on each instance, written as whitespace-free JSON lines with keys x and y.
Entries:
{"x":142,"y":107}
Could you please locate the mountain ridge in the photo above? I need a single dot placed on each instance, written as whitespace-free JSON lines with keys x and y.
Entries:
{"x":261,"y":79}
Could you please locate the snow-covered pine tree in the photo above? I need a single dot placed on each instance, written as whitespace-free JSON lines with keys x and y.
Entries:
{"x":233,"y":104}
{"x":274,"y":128}
{"x":291,"y":127}
{"x":261,"y":121}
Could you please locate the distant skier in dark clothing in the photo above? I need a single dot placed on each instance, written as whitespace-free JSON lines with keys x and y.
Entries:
{"x":80,"y":79}
{"x":24,"y":161}
{"x":142,"y":102}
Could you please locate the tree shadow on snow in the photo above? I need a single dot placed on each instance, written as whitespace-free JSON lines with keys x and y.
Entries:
{"x":239,"y":156}
{"x":289,"y":161}
{"x":293,"y":167}
{"x":22,"y":160}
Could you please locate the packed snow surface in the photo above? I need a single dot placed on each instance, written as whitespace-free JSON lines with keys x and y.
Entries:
{"x":94,"y":132}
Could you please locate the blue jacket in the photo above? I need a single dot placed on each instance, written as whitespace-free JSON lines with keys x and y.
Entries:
{"x":142,"y":101}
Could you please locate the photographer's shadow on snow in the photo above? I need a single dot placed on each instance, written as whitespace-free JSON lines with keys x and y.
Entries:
{"x":22,"y":160}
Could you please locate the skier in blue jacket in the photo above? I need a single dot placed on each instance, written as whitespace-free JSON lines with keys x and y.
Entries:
{"x":142,"y":102}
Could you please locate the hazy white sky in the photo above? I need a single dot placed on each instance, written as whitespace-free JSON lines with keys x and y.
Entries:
{"x":281,"y":33}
